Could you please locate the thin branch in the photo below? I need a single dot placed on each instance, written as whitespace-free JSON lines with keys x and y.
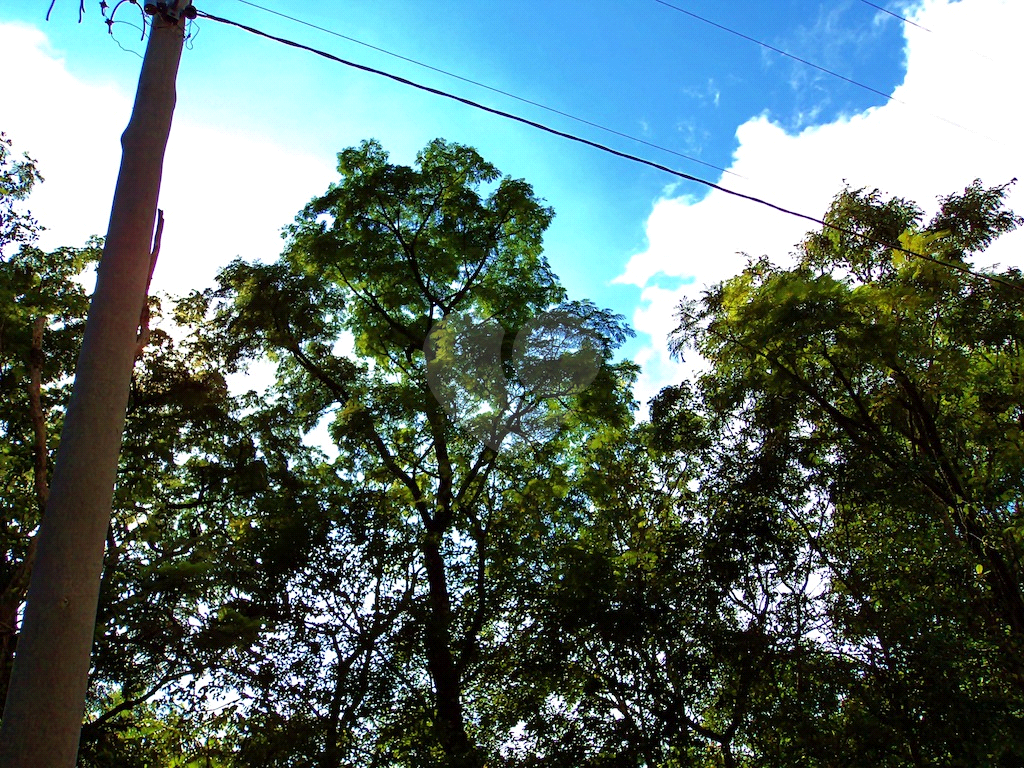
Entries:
{"x":36,"y":360}
{"x":131,"y":703}
{"x":142,"y":338}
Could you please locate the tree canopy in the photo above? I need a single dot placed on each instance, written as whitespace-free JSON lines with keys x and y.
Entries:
{"x":886,"y":388}
{"x":449,"y":419}
{"x":440,"y":537}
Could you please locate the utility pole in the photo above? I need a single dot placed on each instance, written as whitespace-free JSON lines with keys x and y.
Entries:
{"x":42,"y":719}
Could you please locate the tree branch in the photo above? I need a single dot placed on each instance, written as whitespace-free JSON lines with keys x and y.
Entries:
{"x":142,"y":338}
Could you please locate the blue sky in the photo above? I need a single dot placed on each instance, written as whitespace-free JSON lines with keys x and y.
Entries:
{"x":258,"y":124}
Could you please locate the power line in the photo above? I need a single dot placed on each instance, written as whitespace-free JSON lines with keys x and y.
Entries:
{"x":787,"y":54}
{"x":477,"y":83}
{"x":833,"y":73}
{"x":626,"y":156}
{"x":896,"y":15}
{"x":979,"y":54}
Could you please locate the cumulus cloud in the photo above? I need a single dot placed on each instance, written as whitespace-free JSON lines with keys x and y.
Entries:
{"x":954,"y":119}
{"x":70,"y":127}
{"x":225,"y":192}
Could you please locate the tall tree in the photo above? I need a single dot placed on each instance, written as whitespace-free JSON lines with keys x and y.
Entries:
{"x":202,"y":538}
{"x":41,"y":318}
{"x":470,"y":372}
{"x":46,"y":695}
{"x":893,"y":385}
{"x":677,"y":627}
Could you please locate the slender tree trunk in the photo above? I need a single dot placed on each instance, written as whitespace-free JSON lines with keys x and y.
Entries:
{"x":14,"y":591}
{"x":45,"y":703}
{"x":331,"y":757}
{"x":40,"y":454}
{"x":450,"y":723}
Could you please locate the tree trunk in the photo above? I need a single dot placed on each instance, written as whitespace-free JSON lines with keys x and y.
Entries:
{"x":450,"y":722}
{"x":13,"y":594}
{"x":45,"y":703}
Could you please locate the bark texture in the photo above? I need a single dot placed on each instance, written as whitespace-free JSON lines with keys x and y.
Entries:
{"x":46,"y":699}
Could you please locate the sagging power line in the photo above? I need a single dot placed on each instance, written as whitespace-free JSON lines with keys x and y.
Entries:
{"x":491,"y":88}
{"x":624,"y":155}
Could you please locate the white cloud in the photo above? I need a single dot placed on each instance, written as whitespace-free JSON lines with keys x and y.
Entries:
{"x":225,"y":193}
{"x":900,"y":148}
{"x":72,"y":128}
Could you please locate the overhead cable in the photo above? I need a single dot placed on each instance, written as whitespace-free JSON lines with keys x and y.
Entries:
{"x":833,"y":73}
{"x":913,"y":23}
{"x":477,"y":83}
{"x":779,"y":51}
{"x":896,"y":15}
{"x":626,"y":156}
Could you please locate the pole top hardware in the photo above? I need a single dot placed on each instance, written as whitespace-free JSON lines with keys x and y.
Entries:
{"x":171,"y":12}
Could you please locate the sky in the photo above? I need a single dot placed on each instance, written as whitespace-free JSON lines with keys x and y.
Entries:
{"x":258,"y":124}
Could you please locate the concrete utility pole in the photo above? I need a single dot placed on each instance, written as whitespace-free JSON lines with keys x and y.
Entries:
{"x":46,"y":700}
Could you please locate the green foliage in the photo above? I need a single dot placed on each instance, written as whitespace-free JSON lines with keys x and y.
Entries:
{"x":42,"y":309}
{"x":811,"y":556}
{"x":17,"y":177}
{"x":398,"y":634}
{"x":887,"y":388}
{"x":211,"y":511}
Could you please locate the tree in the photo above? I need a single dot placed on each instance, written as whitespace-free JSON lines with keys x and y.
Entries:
{"x":677,"y":627}
{"x":176,"y":556}
{"x":48,"y":682}
{"x":17,"y":177}
{"x":41,"y":318}
{"x":199,"y":542}
{"x":453,"y":420}
{"x":892,"y":385}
